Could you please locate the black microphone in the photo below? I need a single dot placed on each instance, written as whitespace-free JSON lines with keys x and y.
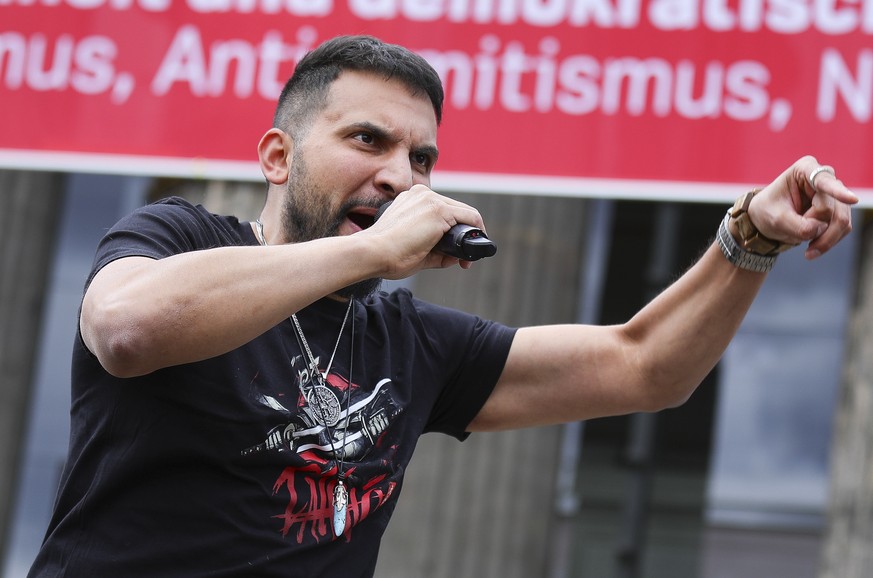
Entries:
{"x":461,"y":241}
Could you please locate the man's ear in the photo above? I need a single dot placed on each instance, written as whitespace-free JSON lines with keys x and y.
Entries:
{"x":275,"y":151}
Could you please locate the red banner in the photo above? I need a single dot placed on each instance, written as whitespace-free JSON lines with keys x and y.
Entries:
{"x":665,"y":98}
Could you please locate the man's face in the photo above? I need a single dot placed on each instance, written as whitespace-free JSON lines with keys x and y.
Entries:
{"x":372,"y":141}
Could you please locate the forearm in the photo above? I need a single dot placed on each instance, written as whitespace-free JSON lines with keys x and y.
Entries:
{"x":563,"y":373}
{"x":680,"y":336}
{"x":139,"y":314}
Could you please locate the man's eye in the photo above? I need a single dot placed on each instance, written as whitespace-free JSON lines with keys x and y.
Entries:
{"x":421,"y":159}
{"x":365,"y":137}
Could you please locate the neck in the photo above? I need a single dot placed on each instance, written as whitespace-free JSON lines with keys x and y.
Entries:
{"x":266,"y":233}
{"x":271,"y":215}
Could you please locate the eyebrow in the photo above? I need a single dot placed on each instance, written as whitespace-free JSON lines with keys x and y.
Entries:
{"x":382,"y":134}
{"x":430,"y":151}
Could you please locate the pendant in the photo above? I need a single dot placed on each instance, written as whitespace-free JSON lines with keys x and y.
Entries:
{"x":328,"y":404}
{"x":340,"y":509}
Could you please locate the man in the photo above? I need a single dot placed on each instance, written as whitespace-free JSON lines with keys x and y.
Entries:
{"x":244,"y":403}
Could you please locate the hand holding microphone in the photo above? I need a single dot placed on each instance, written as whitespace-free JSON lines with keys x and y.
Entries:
{"x":461,"y":241}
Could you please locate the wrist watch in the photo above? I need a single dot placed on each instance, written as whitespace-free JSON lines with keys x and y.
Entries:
{"x":750,"y":238}
{"x":754,"y":251}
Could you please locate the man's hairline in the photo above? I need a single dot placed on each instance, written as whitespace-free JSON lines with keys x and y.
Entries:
{"x":412,"y":89}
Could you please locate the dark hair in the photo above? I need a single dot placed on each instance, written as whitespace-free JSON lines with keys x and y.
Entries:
{"x":306,"y":91}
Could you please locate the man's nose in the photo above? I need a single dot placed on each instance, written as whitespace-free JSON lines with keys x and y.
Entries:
{"x":396,"y":174}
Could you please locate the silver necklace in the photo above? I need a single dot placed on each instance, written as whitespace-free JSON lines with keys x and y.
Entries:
{"x":327,"y":405}
{"x":330,"y":414}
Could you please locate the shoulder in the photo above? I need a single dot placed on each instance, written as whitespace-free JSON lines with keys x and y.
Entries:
{"x":176,"y":222}
{"x":168,"y":227}
{"x":179,"y":211}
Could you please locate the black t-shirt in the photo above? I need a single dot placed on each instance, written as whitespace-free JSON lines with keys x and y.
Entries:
{"x":221,"y":467}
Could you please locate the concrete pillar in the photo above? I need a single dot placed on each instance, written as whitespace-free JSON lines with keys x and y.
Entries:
{"x":30,"y":204}
{"x":848,"y":543}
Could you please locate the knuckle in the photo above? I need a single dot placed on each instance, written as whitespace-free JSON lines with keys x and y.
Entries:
{"x":806,"y":162}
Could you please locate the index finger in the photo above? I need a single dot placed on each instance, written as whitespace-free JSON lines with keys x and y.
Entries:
{"x":823,"y":179}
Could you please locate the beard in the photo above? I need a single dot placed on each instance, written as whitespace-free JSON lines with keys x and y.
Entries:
{"x":306,"y":216}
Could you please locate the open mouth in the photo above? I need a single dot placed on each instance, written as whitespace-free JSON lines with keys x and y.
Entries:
{"x":363,"y":219}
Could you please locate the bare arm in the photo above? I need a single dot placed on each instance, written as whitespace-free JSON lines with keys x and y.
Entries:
{"x":564,"y":373}
{"x":656,"y":360}
{"x":141,"y":314}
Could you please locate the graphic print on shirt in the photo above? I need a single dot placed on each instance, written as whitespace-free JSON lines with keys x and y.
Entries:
{"x":351,"y":426}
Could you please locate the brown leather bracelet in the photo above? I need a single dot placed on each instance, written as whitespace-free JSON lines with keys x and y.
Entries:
{"x":751,"y":239}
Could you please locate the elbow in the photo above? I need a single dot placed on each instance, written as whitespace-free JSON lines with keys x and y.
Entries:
{"x":657,"y":386}
{"x":658,"y":396}
{"x":676,"y":400}
{"x":117,"y":340}
{"x":121,"y":355}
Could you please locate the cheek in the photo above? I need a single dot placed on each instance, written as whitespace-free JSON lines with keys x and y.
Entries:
{"x":340,"y":170}
{"x":350,"y":171}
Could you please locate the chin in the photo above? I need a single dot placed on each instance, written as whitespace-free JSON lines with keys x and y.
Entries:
{"x":361,"y":289}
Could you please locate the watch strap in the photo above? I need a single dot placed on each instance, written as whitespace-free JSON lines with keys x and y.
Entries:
{"x":750,"y":238}
{"x":738,"y":256}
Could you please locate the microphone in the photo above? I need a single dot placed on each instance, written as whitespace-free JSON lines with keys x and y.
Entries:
{"x":461,"y":241}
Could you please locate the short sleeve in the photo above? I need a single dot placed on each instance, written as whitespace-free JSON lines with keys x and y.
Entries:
{"x":167,"y":227}
{"x":477,"y":355}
